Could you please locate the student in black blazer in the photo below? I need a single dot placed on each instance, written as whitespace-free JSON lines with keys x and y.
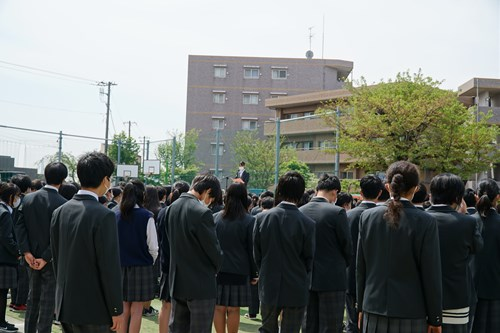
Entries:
{"x":283,"y":241}
{"x":459,"y":238}
{"x":84,"y":241}
{"x":398,"y":271}
{"x":487,"y":261}
{"x":195,"y":257}
{"x":33,"y":235}
{"x":242,"y":174}
{"x":332,"y":255}
{"x":371,"y":188}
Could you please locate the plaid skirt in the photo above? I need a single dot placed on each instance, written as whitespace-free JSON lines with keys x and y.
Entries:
{"x":233,"y":295}
{"x":487,"y":317}
{"x":373,"y":323}
{"x":8,"y":277}
{"x":138,"y":283}
{"x":452,"y":328}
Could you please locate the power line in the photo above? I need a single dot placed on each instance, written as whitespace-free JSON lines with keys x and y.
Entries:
{"x":46,"y":107}
{"x":73,"y":77}
{"x":49,"y":132}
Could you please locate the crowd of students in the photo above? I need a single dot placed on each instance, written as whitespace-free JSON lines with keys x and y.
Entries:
{"x":396,"y":259}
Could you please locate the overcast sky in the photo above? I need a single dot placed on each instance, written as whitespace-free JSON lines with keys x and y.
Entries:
{"x":143,"y":46}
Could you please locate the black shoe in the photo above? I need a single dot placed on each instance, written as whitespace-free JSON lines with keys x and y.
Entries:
{"x":8,"y":327}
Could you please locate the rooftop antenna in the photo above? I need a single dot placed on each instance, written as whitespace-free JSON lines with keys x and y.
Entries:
{"x":309,"y":53}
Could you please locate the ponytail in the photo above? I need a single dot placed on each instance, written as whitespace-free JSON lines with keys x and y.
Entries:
{"x":402,"y":176}
{"x":133,"y":194}
{"x":488,"y":191}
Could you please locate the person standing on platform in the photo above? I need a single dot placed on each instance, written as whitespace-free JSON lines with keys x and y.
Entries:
{"x":284,"y":246}
{"x":242,"y":176}
{"x":195,"y":257}
{"x":33,"y":234}
{"x":84,"y":241}
{"x":325,"y":310}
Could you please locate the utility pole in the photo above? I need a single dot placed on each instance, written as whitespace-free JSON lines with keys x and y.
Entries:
{"x":337,"y":139}
{"x":277,"y":160}
{"x":59,"y":153}
{"x":119,"y":151}
{"x":147,"y":150}
{"x":143,"y":152}
{"x":129,"y":125}
{"x":108,"y":94}
{"x":173,"y":160}
{"x":217,"y":143}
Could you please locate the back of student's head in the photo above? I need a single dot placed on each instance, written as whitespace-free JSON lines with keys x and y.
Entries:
{"x":267,"y":203}
{"x":133,"y":194}
{"x":22,"y":181}
{"x":447,"y":189}
{"x":92,"y":168}
{"x":266,"y":194}
{"x":202,"y":183}
{"x":178,"y":188}
{"x":470,"y":197}
{"x":37,"y":184}
{"x":343,"y":199}
{"x":8,"y":191}
{"x":488,"y":192}
{"x":384,"y":195}
{"x":236,"y":201}
{"x":328,"y":183}
{"x":371,"y":186}
{"x":55,"y":173}
{"x":290,"y":187}
{"x":67,"y":191}
{"x":151,"y":201}
{"x":162,"y":192}
{"x":420,"y":195}
{"x":402,"y":176}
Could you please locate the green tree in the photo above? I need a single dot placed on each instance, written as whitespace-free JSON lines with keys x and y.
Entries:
{"x":67,"y":159}
{"x":303,"y":169}
{"x":186,"y":167}
{"x":259,"y":156}
{"x":129,"y":149}
{"x":411,"y":118}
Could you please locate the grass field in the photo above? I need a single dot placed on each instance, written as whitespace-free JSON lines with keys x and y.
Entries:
{"x":150,"y":324}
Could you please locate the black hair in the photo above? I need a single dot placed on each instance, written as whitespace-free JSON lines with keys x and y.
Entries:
{"x":344,"y":198}
{"x":37,"y":184}
{"x":151,"y":200}
{"x":178,"y":188}
{"x":8,"y":191}
{"x":267,"y":203}
{"x":55,"y":173}
{"x":488,"y":191}
{"x":420,"y":195}
{"x":75,"y":184}
{"x":103,"y":200}
{"x":401,"y":177}
{"x":133,"y":194}
{"x":328,"y":183}
{"x":290,"y":187}
{"x":115,"y":191}
{"x":202,"y":183}
{"x":242,"y":163}
{"x":470,"y":197}
{"x":162,"y":192}
{"x":385,"y":195}
{"x":236,"y":202}
{"x":447,"y":189}
{"x":92,"y":168}
{"x":67,"y":191}
{"x":371,"y":186}
{"x":22,"y":181}
{"x":266,"y":194}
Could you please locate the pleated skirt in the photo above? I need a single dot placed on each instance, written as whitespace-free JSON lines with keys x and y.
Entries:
{"x":8,"y":277}
{"x":373,"y":323}
{"x":233,"y":295}
{"x":138,"y":283}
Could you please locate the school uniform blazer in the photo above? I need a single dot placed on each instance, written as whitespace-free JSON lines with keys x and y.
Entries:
{"x":284,"y":246}
{"x":353,"y":219}
{"x":195,"y":253}
{"x":398,"y":271}
{"x":84,"y":241}
{"x":245,"y":176}
{"x":459,"y":238}
{"x":32,"y":226}
{"x":333,"y":245}
{"x":9,"y":251}
{"x":487,"y":261}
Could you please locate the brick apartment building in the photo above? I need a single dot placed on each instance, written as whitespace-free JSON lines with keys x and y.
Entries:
{"x":227,"y":94}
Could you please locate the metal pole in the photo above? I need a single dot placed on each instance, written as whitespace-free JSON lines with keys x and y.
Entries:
{"x":143,"y":152}
{"x":337,"y":137}
{"x":59,"y":153}
{"x":173,"y":160}
{"x":147,"y":150}
{"x":277,"y":160}
{"x":119,"y":151}
{"x":107,"y":119}
{"x":217,"y":138}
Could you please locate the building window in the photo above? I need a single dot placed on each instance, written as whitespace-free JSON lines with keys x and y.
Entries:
{"x":277,"y":94}
{"x":323,"y":145}
{"x":217,"y":123}
{"x":279,"y":74}
{"x":219,"y":97}
{"x":213,"y":149}
{"x":347,"y":175}
{"x":220,"y":72}
{"x":247,"y":124}
{"x":308,"y":114}
{"x":252,"y":73}
{"x":307,"y":145}
{"x":252,"y":99}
